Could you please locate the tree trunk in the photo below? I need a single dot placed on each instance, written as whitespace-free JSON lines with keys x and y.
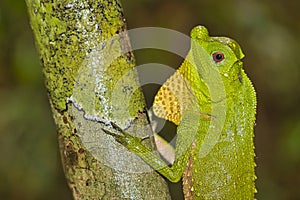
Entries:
{"x":90,"y":80}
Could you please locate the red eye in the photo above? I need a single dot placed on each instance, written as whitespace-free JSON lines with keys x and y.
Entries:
{"x":218,"y":56}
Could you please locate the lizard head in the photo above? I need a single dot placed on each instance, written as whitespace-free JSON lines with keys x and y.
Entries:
{"x":223,"y":53}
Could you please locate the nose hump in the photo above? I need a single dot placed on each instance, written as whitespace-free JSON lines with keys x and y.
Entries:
{"x":236,"y":49}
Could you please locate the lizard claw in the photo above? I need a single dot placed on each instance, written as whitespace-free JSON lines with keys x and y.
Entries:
{"x":124,"y":139}
{"x":109,"y":133}
{"x":119,"y":129}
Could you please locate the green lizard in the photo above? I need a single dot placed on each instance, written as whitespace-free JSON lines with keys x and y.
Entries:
{"x":213,"y":102}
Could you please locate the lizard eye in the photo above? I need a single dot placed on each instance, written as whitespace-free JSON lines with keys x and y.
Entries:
{"x":218,"y":56}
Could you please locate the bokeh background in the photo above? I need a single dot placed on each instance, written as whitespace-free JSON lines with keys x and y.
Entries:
{"x":267,"y":30}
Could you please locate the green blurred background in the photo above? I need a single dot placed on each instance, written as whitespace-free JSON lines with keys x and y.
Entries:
{"x":267,"y":30}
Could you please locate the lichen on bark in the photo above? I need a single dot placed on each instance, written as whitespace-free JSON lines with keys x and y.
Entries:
{"x":76,"y":39}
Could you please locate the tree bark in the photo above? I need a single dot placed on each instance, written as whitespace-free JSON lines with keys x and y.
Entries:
{"x":89,"y":78}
